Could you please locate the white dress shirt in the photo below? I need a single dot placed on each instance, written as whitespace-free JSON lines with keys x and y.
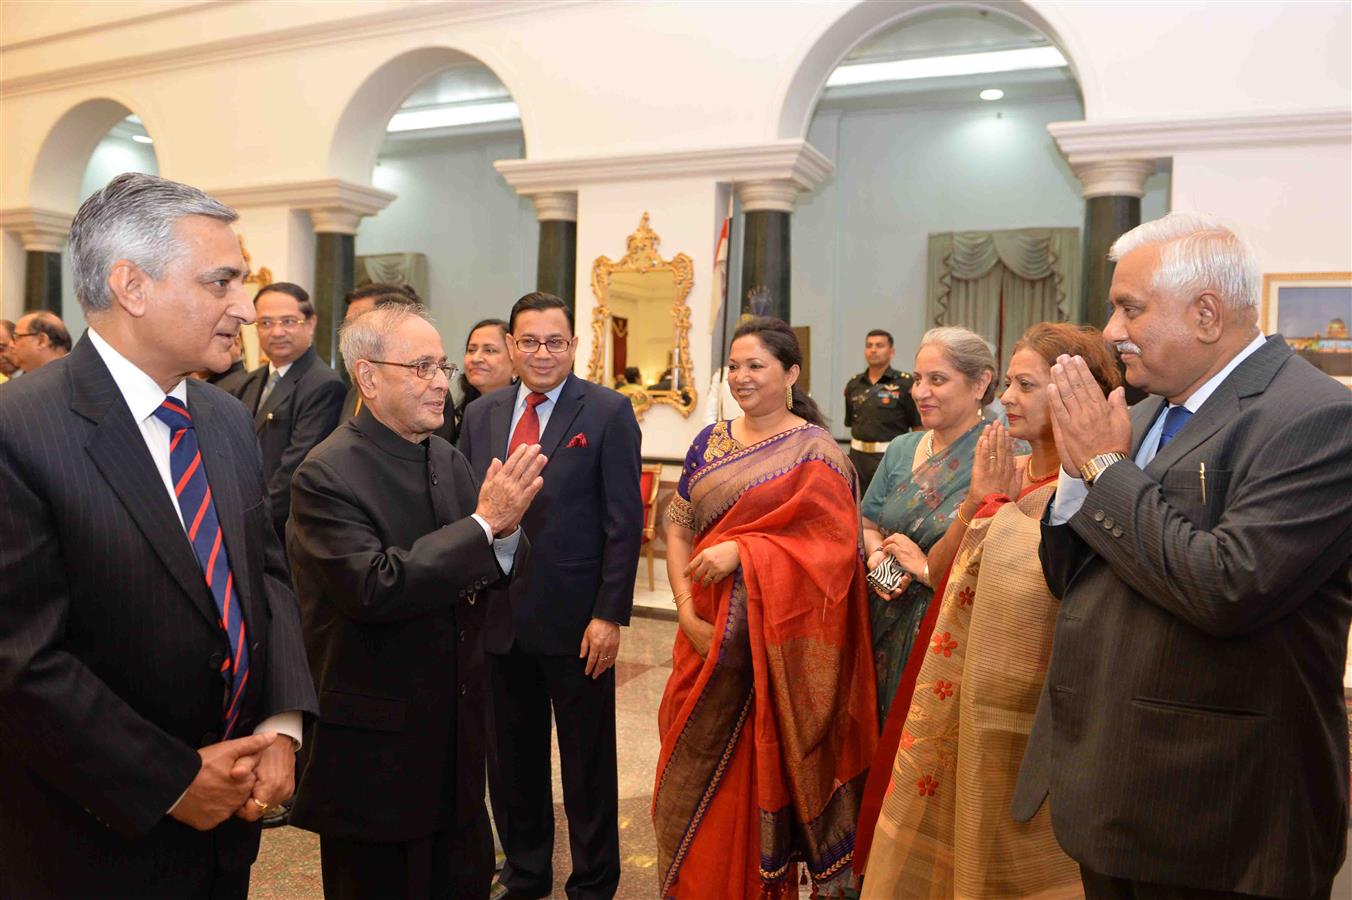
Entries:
{"x":143,"y":396}
{"x":1070,"y":492}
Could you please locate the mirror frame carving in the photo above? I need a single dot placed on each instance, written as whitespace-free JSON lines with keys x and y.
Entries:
{"x":642,"y":257}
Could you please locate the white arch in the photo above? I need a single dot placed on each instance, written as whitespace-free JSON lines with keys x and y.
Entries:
{"x":59,"y":168}
{"x":868,"y":17}
{"x":360,"y":131}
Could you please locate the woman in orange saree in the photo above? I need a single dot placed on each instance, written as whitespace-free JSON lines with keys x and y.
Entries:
{"x":768,"y":720}
{"x":974,"y":680}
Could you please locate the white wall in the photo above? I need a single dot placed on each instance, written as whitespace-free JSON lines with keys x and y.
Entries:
{"x":481,"y":239}
{"x":859,"y":243}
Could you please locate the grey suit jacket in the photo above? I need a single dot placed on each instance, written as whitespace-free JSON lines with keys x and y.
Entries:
{"x":1192,"y":728}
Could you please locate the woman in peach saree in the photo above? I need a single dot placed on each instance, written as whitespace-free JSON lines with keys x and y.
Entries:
{"x":973,"y":682}
{"x":768,"y":721}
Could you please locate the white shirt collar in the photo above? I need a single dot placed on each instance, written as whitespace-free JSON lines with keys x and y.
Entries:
{"x":280,"y":370}
{"x":1200,"y":396}
{"x":139,"y":390}
{"x":553,"y":393}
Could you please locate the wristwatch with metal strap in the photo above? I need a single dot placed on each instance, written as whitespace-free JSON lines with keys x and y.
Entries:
{"x":1092,"y":469}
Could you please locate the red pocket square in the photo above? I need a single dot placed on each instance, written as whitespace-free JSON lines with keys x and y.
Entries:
{"x":579,"y":440}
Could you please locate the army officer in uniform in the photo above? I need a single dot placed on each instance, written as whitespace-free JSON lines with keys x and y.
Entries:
{"x":878,"y":406}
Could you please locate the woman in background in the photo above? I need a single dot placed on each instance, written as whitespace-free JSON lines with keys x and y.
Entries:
{"x":488,"y":366}
{"x":768,"y":719}
{"x":976,"y":672}
{"x":921,"y":480}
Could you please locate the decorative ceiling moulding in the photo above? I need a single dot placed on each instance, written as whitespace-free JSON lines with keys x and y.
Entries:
{"x":791,"y":160}
{"x":40,"y":229}
{"x":335,"y":207}
{"x":418,"y":17}
{"x":1135,"y":139}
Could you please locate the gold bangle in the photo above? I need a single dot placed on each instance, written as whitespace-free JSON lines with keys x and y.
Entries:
{"x":966,"y":523}
{"x":682,"y":597}
{"x":924,"y":577}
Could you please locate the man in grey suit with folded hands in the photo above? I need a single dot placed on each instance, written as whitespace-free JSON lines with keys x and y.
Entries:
{"x":1192,"y":735}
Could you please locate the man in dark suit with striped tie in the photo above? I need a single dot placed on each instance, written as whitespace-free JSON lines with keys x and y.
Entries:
{"x":1191,"y":740}
{"x":153,"y":680}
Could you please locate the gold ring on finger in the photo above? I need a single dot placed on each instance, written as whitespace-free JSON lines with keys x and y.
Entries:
{"x":259,"y":803}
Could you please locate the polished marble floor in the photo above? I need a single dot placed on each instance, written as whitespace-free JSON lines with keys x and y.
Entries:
{"x":288,"y":863}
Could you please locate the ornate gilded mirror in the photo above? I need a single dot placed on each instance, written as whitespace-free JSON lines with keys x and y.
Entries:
{"x":641,"y":325}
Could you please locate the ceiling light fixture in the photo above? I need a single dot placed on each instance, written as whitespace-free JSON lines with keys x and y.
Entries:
{"x":992,"y":94}
{"x":948,"y":66}
{"x":453,"y":116}
{"x":143,"y":139}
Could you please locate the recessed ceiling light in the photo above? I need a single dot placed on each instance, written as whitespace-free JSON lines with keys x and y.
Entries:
{"x":143,"y":139}
{"x":992,"y":94}
{"x":948,"y":66}
{"x":453,"y":116}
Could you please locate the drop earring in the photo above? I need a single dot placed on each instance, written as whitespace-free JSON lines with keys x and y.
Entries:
{"x":788,"y":396}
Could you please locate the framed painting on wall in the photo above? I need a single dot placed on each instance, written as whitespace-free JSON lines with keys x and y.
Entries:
{"x":1313,"y":311}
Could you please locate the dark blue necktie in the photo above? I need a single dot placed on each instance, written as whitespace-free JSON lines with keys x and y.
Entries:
{"x":204,"y":531}
{"x":1174,"y":420}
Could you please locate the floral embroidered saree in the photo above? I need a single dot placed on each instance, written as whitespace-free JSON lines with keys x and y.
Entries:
{"x":767,"y":741}
{"x":945,"y":829}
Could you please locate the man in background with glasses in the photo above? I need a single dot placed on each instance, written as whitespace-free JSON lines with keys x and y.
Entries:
{"x":295,"y":398}
{"x":555,"y":644}
{"x":396,"y":556}
{"x":39,"y":338}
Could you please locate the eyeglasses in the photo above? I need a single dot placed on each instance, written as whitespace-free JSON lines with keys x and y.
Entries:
{"x":18,"y":334}
{"x":426,"y":370}
{"x":288,"y":323}
{"x":531,"y":345}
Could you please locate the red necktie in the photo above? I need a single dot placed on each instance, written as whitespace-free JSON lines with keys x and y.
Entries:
{"x":528,"y":427}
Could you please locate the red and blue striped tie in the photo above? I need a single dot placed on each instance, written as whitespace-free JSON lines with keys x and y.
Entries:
{"x":204,"y":531}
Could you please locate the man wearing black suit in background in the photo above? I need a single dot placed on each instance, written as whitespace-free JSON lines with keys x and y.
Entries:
{"x":152,"y":674}
{"x":554,"y":644}
{"x":396,"y":555}
{"x":295,"y":398}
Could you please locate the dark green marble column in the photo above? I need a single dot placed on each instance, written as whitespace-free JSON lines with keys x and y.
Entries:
{"x":42,"y":281}
{"x":335,"y":275}
{"x":1105,"y":220}
{"x":765,"y":263}
{"x":556,"y":271}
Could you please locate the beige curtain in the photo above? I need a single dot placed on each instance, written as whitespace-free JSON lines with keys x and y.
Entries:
{"x":394,"y":268}
{"x":997,"y":283}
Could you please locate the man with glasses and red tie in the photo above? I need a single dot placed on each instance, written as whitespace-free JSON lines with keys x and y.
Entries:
{"x":554,"y":644}
{"x":295,"y":399}
{"x":152,"y":673}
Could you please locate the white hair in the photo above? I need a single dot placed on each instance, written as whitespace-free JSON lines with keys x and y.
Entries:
{"x":132,"y":217}
{"x":364,"y":336}
{"x":1197,"y":253}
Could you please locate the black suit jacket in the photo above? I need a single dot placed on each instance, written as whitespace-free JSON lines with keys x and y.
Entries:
{"x":233,"y":379}
{"x":1192,"y":729}
{"x":110,"y":647}
{"x":299,"y":413}
{"x":394,"y":579}
{"x":585,"y":525}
